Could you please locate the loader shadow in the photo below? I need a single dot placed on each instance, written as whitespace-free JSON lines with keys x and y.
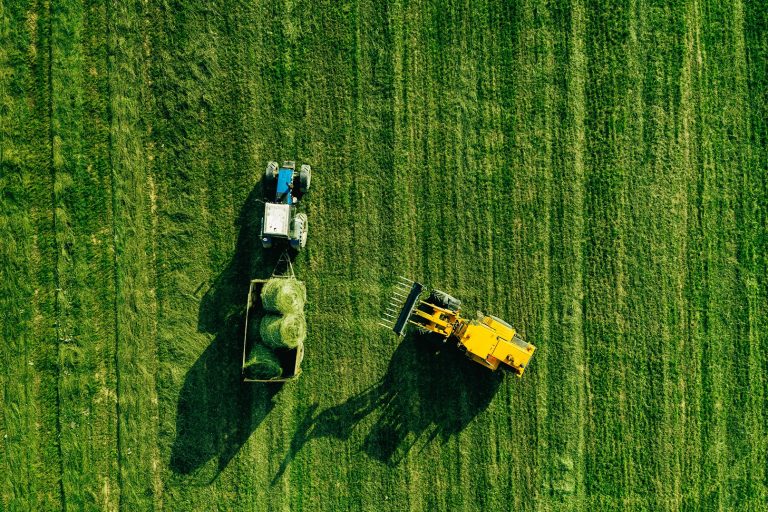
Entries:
{"x":429,"y":392}
{"x":217,"y":412}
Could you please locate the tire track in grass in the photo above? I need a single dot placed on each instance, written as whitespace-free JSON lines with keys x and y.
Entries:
{"x":424,"y":134}
{"x":407,"y":258}
{"x":85,"y":315}
{"x":410,"y":139}
{"x":446,"y":121}
{"x":510,"y":463}
{"x":29,"y":445}
{"x":135,"y":305}
{"x":401,"y":182}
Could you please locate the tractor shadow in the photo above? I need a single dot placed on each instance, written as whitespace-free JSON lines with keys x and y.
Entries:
{"x":217,"y":412}
{"x":429,"y":392}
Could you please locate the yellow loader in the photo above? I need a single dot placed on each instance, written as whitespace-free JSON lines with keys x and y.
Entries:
{"x":486,"y":340}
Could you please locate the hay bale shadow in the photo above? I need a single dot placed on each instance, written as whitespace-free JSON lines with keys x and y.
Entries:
{"x":429,"y":392}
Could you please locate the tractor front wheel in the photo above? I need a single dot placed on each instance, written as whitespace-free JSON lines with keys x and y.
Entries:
{"x":270,"y":174}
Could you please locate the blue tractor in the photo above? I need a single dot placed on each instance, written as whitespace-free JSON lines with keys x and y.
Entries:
{"x":285,"y":186}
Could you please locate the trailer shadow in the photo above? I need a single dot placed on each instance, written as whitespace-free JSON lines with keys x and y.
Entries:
{"x":217,"y":412}
{"x":429,"y":392}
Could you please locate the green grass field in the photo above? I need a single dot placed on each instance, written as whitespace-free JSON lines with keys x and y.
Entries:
{"x":593,"y":171}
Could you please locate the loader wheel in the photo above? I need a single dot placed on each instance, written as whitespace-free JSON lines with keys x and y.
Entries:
{"x":443,"y":300}
{"x":305,"y":177}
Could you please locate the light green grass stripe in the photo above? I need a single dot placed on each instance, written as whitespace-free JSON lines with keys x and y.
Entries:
{"x":135,"y":357}
{"x":84,"y":265}
{"x":182,"y":67}
{"x":28,"y":428}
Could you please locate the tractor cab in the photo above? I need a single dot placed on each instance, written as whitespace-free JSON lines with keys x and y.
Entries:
{"x":284,"y":187}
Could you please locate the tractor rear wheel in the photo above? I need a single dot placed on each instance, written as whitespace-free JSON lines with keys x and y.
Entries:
{"x":443,"y":300}
{"x":305,"y":177}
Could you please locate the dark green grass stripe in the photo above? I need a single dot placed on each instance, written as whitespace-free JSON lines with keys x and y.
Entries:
{"x":745,"y":402}
{"x":756,"y":183}
{"x":609,"y":463}
{"x":654,"y":265}
{"x":28,"y":423}
{"x":726,"y":347}
{"x":533,"y":109}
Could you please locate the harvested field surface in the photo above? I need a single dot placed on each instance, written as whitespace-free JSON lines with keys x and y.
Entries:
{"x":593,"y":171}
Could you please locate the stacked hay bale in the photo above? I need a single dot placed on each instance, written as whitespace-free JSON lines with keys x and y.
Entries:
{"x":287,"y":328}
{"x":262,"y":364}
{"x":286,"y":296}
{"x":283,"y":331}
{"x":283,"y":327}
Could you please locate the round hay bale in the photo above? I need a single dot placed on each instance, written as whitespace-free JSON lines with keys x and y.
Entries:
{"x":281,"y":295}
{"x":283,"y":331}
{"x":262,"y":363}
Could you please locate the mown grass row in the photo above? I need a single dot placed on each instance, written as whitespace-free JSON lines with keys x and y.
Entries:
{"x":729,"y":192}
{"x":754,"y":244}
{"x":134,"y":257}
{"x":29,"y":445}
{"x":85,"y":256}
{"x":206,"y":215}
{"x":563,"y":350}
